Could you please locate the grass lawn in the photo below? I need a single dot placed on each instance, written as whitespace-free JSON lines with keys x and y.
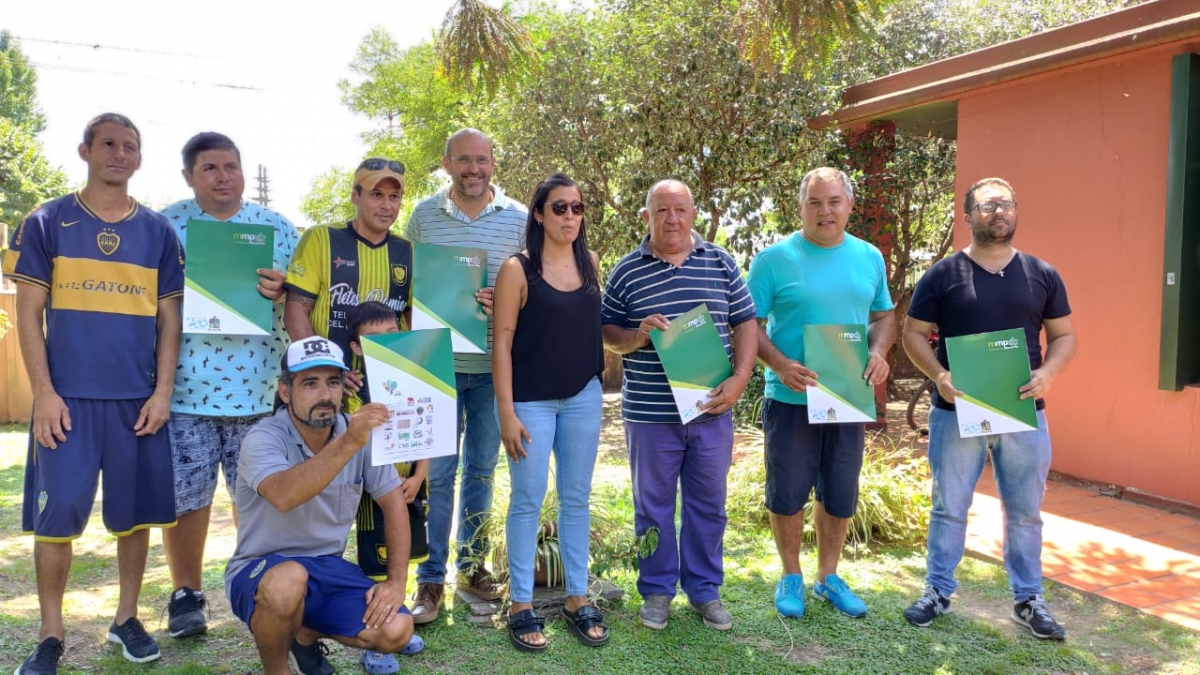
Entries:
{"x":977,"y":638}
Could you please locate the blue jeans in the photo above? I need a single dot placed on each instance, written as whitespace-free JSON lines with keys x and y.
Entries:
{"x":1020,"y":463}
{"x":570,"y":428}
{"x":479,"y":442}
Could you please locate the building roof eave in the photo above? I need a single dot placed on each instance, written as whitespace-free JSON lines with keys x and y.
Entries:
{"x":921,"y":98}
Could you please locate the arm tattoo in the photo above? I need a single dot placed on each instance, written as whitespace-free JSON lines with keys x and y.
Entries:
{"x":300,"y":298}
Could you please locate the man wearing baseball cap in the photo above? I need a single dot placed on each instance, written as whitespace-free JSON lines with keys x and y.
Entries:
{"x":338,"y":266}
{"x":300,"y":476}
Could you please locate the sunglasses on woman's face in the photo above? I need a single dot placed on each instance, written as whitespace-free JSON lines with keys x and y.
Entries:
{"x":559,"y":207}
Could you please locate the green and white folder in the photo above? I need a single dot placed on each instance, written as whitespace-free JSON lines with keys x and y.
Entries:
{"x":221,"y":278}
{"x":412,"y":373}
{"x":837,"y":353}
{"x":989,"y":368}
{"x":694,"y":359}
{"x":445,"y":279}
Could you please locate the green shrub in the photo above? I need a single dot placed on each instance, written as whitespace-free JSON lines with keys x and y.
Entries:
{"x":893,"y":500}
{"x":4,"y":324}
{"x":747,"y":412}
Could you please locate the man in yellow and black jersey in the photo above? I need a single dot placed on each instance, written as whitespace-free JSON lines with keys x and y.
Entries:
{"x":336,"y":267}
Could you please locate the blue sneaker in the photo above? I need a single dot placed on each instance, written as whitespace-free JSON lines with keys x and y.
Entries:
{"x":837,"y":593}
{"x":789,"y":596}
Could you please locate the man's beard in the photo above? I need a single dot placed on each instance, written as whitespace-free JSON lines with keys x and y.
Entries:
{"x":314,"y":422}
{"x":987,"y":238}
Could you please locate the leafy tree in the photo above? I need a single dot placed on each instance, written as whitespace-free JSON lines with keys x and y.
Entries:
{"x":18,"y":87}
{"x":481,"y":46}
{"x":416,"y":106}
{"x":621,"y":99}
{"x":328,"y":200}
{"x":26,"y":176}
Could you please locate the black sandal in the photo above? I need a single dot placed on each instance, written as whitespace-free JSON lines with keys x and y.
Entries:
{"x":583,"y":620}
{"x":526,"y":622}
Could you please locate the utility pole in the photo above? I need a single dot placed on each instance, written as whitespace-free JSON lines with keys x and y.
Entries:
{"x":264,"y":189}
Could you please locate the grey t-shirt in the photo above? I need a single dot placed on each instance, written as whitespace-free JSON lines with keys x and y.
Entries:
{"x":314,"y":528}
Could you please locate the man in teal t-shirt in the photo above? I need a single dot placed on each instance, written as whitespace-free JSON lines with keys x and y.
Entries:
{"x":820,"y":275}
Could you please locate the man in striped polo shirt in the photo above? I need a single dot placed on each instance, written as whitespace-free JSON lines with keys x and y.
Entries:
{"x":469,"y":212}
{"x":673,"y":271}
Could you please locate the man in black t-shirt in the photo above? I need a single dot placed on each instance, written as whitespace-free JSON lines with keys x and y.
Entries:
{"x":989,"y":286}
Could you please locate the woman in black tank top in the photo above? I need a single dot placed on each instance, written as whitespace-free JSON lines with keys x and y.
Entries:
{"x":546,"y":364}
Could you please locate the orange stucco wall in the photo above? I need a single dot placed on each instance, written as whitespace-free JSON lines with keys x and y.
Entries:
{"x":1086,"y":150}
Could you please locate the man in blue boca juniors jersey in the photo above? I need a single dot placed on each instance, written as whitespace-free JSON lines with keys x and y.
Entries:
{"x":106,"y":275}
{"x":224,"y":384}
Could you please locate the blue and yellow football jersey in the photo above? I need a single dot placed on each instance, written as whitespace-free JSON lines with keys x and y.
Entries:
{"x":105,"y":281}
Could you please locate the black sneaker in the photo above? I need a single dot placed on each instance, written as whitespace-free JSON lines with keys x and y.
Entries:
{"x":923,"y":611}
{"x":186,"y":611}
{"x":43,"y":660}
{"x":310,"y":659}
{"x":1035,"y":615}
{"x":136,"y":644}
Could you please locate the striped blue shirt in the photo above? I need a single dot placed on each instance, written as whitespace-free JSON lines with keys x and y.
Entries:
{"x":499,"y":229}
{"x":232,"y":375}
{"x":643,"y":284}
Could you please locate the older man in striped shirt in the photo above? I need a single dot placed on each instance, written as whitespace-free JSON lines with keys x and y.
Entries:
{"x":673,"y":271}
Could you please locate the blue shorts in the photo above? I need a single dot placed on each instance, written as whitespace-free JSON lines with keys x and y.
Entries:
{"x":334,"y":604}
{"x":200,"y":446}
{"x":802,"y":456}
{"x":60,"y":484}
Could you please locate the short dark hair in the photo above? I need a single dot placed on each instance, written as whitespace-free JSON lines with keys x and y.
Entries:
{"x":367,"y":313}
{"x":203,"y":142}
{"x":969,"y":197}
{"x":89,"y":131}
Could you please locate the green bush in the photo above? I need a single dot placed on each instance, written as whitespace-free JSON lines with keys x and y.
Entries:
{"x":893,"y":500}
{"x":747,"y":412}
{"x":4,"y":324}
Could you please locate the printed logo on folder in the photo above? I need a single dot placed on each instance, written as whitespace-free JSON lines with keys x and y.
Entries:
{"x":412,"y":374}
{"x":221,"y":278}
{"x":694,"y":359}
{"x":990,"y":368}
{"x":837,"y":353}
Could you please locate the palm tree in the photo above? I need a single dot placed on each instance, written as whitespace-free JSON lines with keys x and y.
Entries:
{"x":480,"y":45}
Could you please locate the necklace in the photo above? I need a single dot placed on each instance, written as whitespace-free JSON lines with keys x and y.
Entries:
{"x":998,"y":271}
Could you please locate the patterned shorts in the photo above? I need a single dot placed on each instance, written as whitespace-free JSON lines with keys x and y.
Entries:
{"x":199,"y":445}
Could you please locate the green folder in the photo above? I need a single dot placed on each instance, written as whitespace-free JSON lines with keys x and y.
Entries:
{"x":445,"y":280}
{"x":221,"y":278}
{"x":412,"y":373}
{"x":837,"y":353}
{"x":693,"y":357}
{"x":990,"y":368}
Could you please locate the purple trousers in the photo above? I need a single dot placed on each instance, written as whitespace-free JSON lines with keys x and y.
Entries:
{"x":693,"y":459}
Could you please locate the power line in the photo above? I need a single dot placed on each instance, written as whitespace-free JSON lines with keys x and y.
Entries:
{"x":157,"y":52}
{"x":98,"y":46}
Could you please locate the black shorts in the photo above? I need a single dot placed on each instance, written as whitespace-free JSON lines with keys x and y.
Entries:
{"x":802,"y":456}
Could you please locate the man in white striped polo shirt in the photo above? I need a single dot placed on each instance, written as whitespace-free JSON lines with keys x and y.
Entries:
{"x":673,"y":271}
{"x":469,"y":212}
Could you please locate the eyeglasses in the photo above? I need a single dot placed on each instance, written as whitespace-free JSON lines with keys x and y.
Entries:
{"x":465,"y":160}
{"x":560,"y":206}
{"x":988,"y":208}
{"x":377,"y":164}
